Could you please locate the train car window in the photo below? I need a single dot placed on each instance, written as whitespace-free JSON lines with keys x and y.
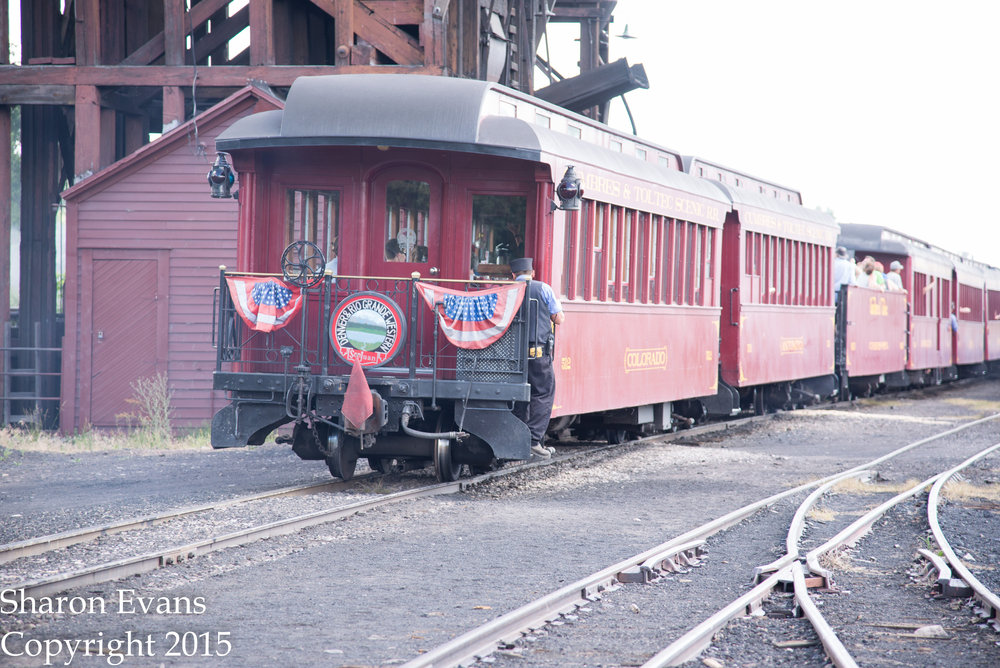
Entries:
{"x":772,"y":270}
{"x":498,"y":232}
{"x":664,"y":161}
{"x":543,"y":120}
{"x":599,"y":289}
{"x":652,"y":252}
{"x":795,"y":272}
{"x":642,"y":289}
{"x":640,"y":153}
{"x":680,"y":244}
{"x":695,"y":265}
{"x":627,"y":253}
{"x":920,"y":296}
{"x":970,"y":303}
{"x":993,"y":305}
{"x":613,"y":250}
{"x":710,"y":267}
{"x":943,"y":307}
{"x":583,"y":247}
{"x":570,"y":238}
{"x":666,"y":261}
{"x":508,"y":109}
{"x":574,"y":131}
{"x":314,"y":215}
{"x":615,"y":145}
{"x":407,"y":208}
{"x":812,"y":273}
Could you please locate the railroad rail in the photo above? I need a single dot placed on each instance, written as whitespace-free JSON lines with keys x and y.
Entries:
{"x":790,"y":566}
{"x":483,"y":640}
{"x":989,"y":602}
{"x":145,"y":563}
{"x":42,"y":544}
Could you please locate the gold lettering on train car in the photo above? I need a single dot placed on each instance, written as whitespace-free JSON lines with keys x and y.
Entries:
{"x":793,"y":346}
{"x":567,"y":363}
{"x":878,"y":306}
{"x":925,"y":343}
{"x":645,"y":359}
{"x":878,"y":345}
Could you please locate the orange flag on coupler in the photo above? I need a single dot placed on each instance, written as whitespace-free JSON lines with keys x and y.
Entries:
{"x":358,"y":405}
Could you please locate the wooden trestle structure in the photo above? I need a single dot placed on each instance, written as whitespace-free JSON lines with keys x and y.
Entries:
{"x":97,"y":77}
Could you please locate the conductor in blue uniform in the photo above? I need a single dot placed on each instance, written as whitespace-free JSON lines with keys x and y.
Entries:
{"x":545,"y":312}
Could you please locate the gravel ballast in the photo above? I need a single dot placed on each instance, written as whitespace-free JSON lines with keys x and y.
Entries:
{"x":379,"y":588}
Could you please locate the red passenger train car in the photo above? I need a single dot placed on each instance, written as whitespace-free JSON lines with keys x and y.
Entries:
{"x":777,"y":338}
{"x":992,"y":317}
{"x":389,"y":329}
{"x":441,"y":182}
{"x":947,"y":304}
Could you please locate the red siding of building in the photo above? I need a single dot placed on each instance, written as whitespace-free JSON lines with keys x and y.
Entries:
{"x":149,"y":214}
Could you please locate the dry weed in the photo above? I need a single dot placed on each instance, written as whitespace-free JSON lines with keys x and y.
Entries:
{"x":960,"y":490}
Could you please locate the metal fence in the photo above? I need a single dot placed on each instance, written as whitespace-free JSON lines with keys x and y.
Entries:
{"x":30,"y":381}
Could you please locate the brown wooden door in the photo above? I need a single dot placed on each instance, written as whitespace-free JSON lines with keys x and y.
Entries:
{"x":126,"y":335}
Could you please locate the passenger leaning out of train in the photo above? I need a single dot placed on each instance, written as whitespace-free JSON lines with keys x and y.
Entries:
{"x":869,"y":277}
{"x":541,"y":340}
{"x":894,"y":279}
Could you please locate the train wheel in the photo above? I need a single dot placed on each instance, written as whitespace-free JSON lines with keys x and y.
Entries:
{"x":344,"y":458}
{"x":445,"y":466}
{"x":616,"y":436}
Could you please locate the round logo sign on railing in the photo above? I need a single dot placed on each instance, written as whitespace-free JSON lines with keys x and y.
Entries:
{"x":367,"y":327}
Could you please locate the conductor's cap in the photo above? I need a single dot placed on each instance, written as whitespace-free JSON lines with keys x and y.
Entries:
{"x":521,"y":264}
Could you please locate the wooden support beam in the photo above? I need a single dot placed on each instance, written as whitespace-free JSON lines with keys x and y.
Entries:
{"x":25,"y":94}
{"x":387,"y":38}
{"x":87,"y":146}
{"x":173,"y":107}
{"x":88,"y":32}
{"x":174,"y":31}
{"x":432,"y":32}
{"x":401,"y":13}
{"x":373,"y":28}
{"x":159,"y":75}
{"x":343,"y":26}
{"x":135,"y":133}
{"x":261,"y":32}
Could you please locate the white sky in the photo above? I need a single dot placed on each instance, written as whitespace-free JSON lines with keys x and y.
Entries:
{"x":883,"y":111}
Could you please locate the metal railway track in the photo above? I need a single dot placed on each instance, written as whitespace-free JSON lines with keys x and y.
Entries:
{"x":146,"y":563}
{"x":643,"y":567}
{"x":42,"y":544}
{"x":127,"y":567}
{"x":790,"y":567}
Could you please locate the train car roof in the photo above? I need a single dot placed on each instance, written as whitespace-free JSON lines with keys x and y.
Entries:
{"x":762,"y":213}
{"x":878,"y":239}
{"x":691,"y":162}
{"x":441,"y":113}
